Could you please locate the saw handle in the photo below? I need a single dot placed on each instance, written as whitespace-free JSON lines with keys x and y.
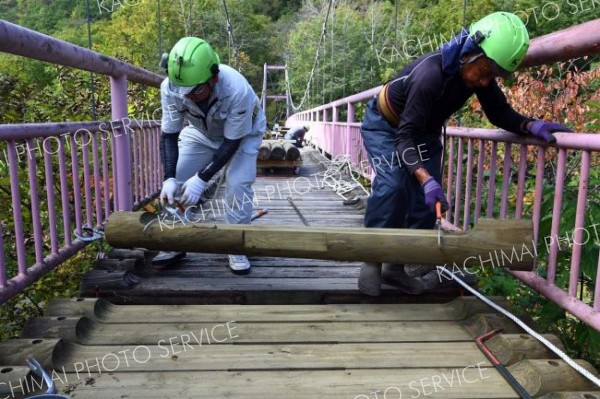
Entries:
{"x":438,"y":210}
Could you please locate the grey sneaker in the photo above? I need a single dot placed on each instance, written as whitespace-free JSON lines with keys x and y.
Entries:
{"x":369,"y":281}
{"x":239,"y":264}
{"x":396,"y":276}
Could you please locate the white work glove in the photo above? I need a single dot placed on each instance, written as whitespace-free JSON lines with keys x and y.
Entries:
{"x":169,"y":190}
{"x":192,"y":190}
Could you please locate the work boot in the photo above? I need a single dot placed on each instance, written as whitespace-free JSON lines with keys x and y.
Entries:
{"x":418,"y":270}
{"x":395,"y":275}
{"x":165,"y":258}
{"x":369,"y":281}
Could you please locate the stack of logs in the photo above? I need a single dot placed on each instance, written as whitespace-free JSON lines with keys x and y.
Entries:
{"x":278,"y":150}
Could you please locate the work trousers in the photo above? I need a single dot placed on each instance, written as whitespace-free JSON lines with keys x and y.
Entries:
{"x":397,"y":199}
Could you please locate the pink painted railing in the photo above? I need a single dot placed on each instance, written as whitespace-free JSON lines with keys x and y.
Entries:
{"x":66,"y":178}
{"x":510,"y":157}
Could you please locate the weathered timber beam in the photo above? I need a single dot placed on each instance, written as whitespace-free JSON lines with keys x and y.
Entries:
{"x":492,"y":243}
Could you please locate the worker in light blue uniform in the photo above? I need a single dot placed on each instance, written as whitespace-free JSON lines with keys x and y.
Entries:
{"x":225,"y":126}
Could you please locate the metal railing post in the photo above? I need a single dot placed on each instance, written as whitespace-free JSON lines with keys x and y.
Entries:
{"x":122,"y":152}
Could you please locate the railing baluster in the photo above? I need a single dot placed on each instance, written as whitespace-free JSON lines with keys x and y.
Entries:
{"x":3,"y":277}
{"x":467,"y":212}
{"x":145,"y":166}
{"x":597,"y":290}
{"x":458,"y":187}
{"x":521,"y":181}
{"x":556,"y":211}
{"x":105,"y":178}
{"x":505,"y":179}
{"x":35,"y":200}
{"x":97,"y":181}
{"x":76,"y":185}
{"x":136,"y":184}
{"x":539,"y":189}
{"x":52,"y":219}
{"x":492,"y":181}
{"x":158,"y":170}
{"x":155,"y":173}
{"x":479,"y":190}
{"x":64,"y":189}
{"x":582,"y":195}
{"x":87,"y":183}
{"x":450,"y":176}
{"x":113,"y":164}
{"x":16,"y":203}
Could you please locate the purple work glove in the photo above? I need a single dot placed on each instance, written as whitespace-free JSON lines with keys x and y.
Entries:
{"x":544,"y":130}
{"x":433,"y":194}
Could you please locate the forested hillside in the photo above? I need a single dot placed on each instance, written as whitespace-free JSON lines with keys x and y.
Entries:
{"x":366,"y":41}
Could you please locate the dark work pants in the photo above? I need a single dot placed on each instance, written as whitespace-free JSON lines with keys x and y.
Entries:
{"x":397,"y":199}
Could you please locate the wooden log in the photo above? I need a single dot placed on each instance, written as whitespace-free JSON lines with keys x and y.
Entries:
{"x":51,"y":327}
{"x":511,"y":348}
{"x":264,"y":152}
{"x":572,"y":395}
{"x":116,"y":253}
{"x":12,"y":381}
{"x":277,"y":151}
{"x":292,"y":152}
{"x":483,"y":323}
{"x":492,"y":243}
{"x":540,"y":377}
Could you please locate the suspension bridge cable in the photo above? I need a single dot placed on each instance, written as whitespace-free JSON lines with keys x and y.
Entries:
{"x":331,"y":80}
{"x":231,"y":42}
{"x":89,"y":29}
{"x":315,"y":62}
{"x":159,"y":19}
{"x":395,"y":35}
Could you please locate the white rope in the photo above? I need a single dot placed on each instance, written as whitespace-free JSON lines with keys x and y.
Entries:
{"x":332,"y":176}
{"x":524,"y":326}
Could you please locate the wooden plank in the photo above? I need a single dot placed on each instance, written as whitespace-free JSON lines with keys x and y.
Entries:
{"x":359,"y":244}
{"x":164,"y":356}
{"x":90,"y":332}
{"x":485,"y":383}
{"x":103,"y":310}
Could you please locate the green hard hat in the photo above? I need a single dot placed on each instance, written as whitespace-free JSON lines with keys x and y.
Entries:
{"x":503,"y":38}
{"x":191,"y":61}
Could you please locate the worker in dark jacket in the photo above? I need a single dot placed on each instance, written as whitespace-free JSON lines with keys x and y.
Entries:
{"x":296,"y":135}
{"x":403,"y":124}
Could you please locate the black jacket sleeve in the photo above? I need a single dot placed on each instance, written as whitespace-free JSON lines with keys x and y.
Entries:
{"x":221,"y":157}
{"x":499,"y":112}
{"x":423,"y":90}
{"x":169,"y":152}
